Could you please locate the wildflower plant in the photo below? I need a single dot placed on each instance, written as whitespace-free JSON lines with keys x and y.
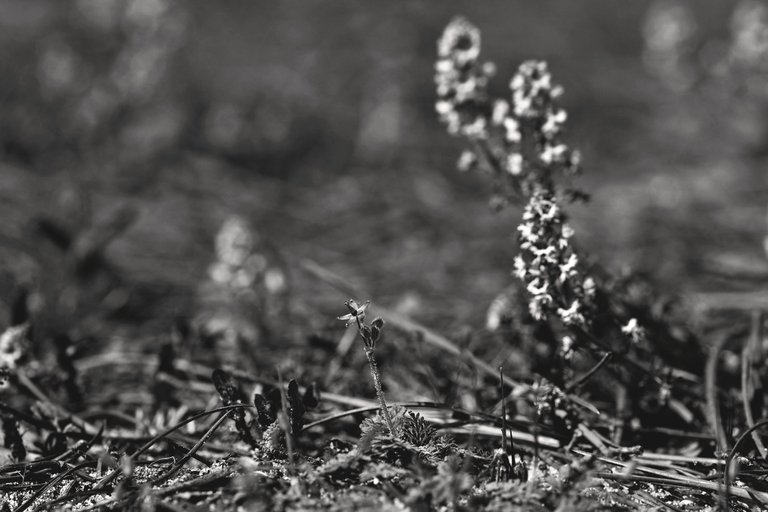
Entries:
{"x":371,"y":333}
{"x":520,"y":139}
{"x":245,"y":292}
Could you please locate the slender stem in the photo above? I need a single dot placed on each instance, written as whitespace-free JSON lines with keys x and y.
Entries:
{"x":749,"y":354}
{"x":379,"y":390}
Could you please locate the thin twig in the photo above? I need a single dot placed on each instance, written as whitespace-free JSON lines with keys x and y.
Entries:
{"x":50,"y":484}
{"x":713,"y":408}
{"x":193,"y":450}
{"x":111,"y":476}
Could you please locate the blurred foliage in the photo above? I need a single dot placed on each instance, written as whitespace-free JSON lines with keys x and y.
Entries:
{"x":291,"y":114}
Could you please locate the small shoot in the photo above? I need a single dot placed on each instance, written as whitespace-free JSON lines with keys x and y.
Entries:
{"x":230,"y":394}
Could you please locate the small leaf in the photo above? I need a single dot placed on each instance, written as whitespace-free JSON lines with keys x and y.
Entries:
{"x":376,"y":327}
{"x":264,"y":413}
{"x":296,"y":406}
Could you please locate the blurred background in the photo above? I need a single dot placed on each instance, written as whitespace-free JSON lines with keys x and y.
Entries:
{"x":131,"y":129}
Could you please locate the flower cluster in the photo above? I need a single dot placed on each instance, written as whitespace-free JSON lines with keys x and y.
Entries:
{"x":239,"y":264}
{"x":519,"y":139}
{"x":548,"y":265}
{"x":534,"y":114}
{"x":461,"y":81}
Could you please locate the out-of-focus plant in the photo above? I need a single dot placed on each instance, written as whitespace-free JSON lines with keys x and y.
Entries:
{"x":519,"y":139}
{"x":245,"y":289}
{"x":748,"y":52}
{"x":106,"y":78}
{"x":668,"y":35}
{"x":730,"y":73}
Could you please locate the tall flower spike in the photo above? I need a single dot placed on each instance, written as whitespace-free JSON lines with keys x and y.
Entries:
{"x":548,"y":264}
{"x":534,"y":104}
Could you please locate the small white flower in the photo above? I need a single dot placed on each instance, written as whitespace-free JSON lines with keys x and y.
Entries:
{"x":466,"y":90}
{"x":546,"y":254}
{"x":476,"y":129}
{"x":13,"y":346}
{"x":512,"y":130}
{"x":538,"y":306}
{"x":498,"y":311}
{"x":566,"y":348}
{"x":551,"y":154}
{"x":444,"y":66}
{"x":467,"y":161}
{"x":633,"y":330}
{"x":548,"y":210}
{"x":500,"y":111}
{"x":572,"y":315}
{"x":537,"y":287}
{"x":443,"y":107}
{"x":553,"y":123}
{"x":590,"y":288}
{"x":528,"y":232}
{"x":520,"y":267}
{"x":568,"y":269}
{"x":356,"y":312}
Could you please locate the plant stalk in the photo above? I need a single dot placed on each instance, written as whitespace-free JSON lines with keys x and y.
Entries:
{"x":379,"y":390}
